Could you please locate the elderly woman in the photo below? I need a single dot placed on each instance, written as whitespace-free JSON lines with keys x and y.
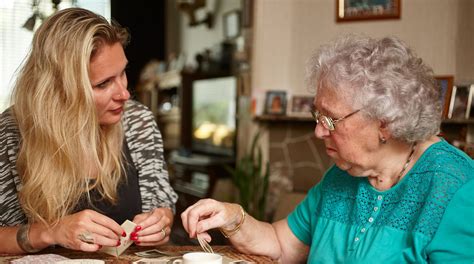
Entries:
{"x":396,"y":194}
{"x":78,"y":158}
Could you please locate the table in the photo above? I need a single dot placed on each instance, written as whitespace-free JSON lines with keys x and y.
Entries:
{"x":128,"y":256}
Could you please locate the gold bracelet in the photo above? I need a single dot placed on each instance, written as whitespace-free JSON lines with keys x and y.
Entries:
{"x":229,"y":233}
{"x":23,"y":239}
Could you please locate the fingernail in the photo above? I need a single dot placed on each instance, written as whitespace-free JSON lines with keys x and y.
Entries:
{"x":138,"y":228}
{"x":137,"y":242}
{"x":118,"y":243}
{"x":124,"y":234}
{"x":133,"y":234}
{"x":134,"y":238}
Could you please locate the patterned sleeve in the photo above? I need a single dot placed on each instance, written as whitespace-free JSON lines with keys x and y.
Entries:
{"x":11,"y":213}
{"x":146,"y":149}
{"x":454,"y":239}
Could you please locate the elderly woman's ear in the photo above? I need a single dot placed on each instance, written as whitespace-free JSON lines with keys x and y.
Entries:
{"x":384,"y":133}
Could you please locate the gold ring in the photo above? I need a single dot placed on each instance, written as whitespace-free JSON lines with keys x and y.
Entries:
{"x":163,"y":230}
{"x":86,"y":237}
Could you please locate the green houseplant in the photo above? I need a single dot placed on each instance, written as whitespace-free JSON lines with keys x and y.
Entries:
{"x":250,"y":176}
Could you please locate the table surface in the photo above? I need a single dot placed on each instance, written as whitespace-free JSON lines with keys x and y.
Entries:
{"x":128,"y":256}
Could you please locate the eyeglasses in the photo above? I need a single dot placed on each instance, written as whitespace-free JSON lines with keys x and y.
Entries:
{"x":328,"y":122}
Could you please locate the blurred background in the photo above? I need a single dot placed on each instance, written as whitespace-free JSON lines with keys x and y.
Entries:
{"x":208,"y":69}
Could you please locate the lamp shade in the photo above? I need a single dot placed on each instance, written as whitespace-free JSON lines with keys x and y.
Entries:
{"x":30,"y":22}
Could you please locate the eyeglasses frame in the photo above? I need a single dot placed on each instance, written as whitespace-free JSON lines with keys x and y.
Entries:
{"x":328,"y":122}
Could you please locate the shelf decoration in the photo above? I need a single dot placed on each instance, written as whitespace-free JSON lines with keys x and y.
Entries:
{"x":353,"y":10}
{"x":301,"y":105}
{"x":275,"y":103}
{"x":445,"y":84}
{"x":458,"y":108}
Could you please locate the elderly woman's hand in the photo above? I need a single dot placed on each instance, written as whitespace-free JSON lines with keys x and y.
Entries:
{"x":153,"y":228}
{"x":87,"y":230}
{"x":208,"y":214}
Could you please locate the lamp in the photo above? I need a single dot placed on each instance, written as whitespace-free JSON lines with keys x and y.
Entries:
{"x":55,"y":4}
{"x":190,"y":7}
{"x":30,"y":22}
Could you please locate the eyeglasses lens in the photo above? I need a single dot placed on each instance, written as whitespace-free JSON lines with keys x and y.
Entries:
{"x":327,"y":122}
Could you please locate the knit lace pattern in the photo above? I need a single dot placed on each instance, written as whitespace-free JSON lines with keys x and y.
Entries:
{"x":416,"y":204}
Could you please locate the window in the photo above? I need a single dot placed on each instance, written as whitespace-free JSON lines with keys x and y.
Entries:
{"x":15,"y":40}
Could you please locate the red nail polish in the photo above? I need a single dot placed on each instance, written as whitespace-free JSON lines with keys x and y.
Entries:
{"x":138,"y":228}
{"x":133,"y":234}
{"x":137,"y":242}
{"x":124,"y":234}
{"x":134,"y":238}
{"x":118,"y":243}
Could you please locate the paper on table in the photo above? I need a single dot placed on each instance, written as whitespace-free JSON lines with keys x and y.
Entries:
{"x":81,"y":261}
{"x":155,"y":253}
{"x":162,"y":260}
{"x":152,"y":261}
{"x":41,"y":258}
{"x":125,"y":242}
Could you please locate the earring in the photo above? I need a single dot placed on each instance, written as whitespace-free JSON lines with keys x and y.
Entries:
{"x":383,"y":140}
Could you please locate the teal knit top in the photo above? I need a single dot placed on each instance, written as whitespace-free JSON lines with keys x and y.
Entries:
{"x":427,"y":217}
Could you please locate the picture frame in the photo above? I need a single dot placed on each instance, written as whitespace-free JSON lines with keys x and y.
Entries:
{"x":459,"y":102}
{"x":470,"y":104}
{"x":301,"y":105}
{"x":232,"y":20}
{"x":445,"y":84}
{"x":275,"y":103}
{"x":247,"y":13}
{"x":356,"y":10}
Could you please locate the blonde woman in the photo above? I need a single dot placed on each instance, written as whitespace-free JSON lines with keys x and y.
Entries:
{"x":77,"y":158}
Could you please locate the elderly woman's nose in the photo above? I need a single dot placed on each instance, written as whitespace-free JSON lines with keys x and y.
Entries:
{"x":320,"y":131}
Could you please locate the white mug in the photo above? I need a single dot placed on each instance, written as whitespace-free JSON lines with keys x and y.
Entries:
{"x":200,"y":258}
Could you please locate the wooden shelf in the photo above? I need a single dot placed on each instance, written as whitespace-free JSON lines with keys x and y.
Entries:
{"x":168,"y":80}
{"x":283,"y":118}
{"x":286,"y":118}
{"x":458,"y":121}
{"x":170,"y":116}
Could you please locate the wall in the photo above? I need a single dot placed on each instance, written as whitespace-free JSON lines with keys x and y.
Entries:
{"x":465,"y":42}
{"x":173,"y":25}
{"x":287,"y":32}
{"x":198,"y":38}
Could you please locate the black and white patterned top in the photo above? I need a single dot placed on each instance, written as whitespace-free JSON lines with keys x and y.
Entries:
{"x":146,"y":149}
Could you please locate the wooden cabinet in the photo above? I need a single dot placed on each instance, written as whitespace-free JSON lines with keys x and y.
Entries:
{"x":167,"y":109}
{"x":195,"y":177}
{"x":460,"y":133}
{"x":161,"y":94}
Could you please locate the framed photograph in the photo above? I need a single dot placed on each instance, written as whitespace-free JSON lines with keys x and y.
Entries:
{"x":445,"y":84}
{"x":247,"y":13}
{"x":275,"y":103}
{"x":232,"y":24}
{"x":470,"y":103}
{"x":469,"y":149}
{"x":353,"y":10}
{"x":301,"y":105}
{"x":459,"y":102}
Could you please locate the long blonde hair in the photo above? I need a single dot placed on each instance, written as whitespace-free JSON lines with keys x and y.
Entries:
{"x":62,"y":143}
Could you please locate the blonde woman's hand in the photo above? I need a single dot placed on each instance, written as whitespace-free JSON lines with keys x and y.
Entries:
{"x":153,"y":228}
{"x":87,"y":230}
{"x":207,"y":214}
